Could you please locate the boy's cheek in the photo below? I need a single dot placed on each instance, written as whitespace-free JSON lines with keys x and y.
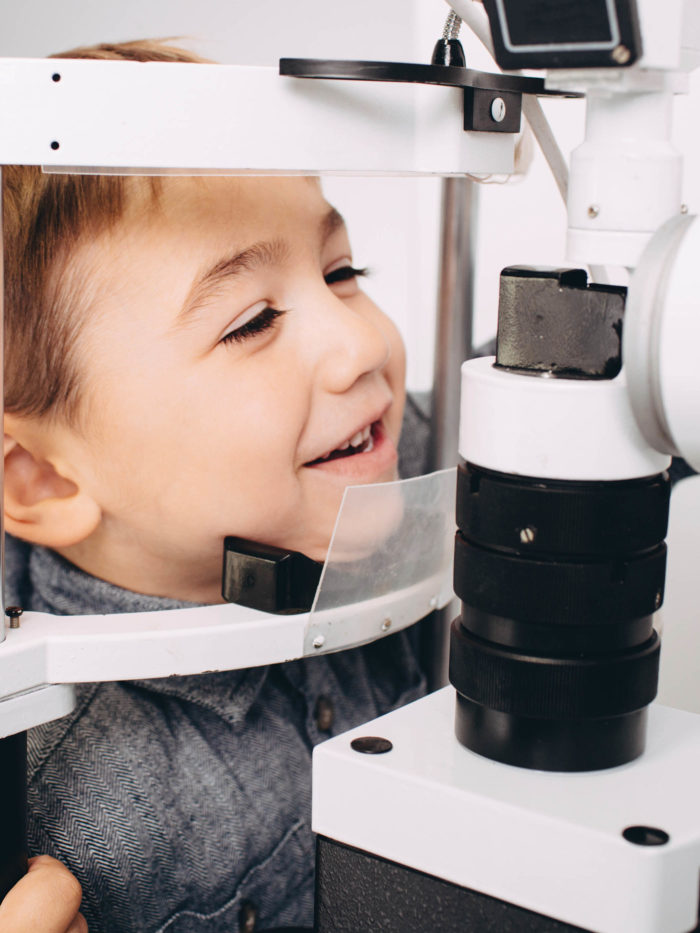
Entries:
{"x":397,"y":375}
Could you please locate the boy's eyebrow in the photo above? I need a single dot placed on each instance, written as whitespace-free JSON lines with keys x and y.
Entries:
{"x":330,"y":222}
{"x":253,"y":257}
{"x":248,"y":260}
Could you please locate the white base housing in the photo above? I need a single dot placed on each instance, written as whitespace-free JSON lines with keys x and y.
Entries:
{"x":551,"y":843}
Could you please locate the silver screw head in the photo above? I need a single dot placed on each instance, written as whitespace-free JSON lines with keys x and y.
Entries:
{"x":319,"y":641}
{"x":386,"y":625}
{"x":621,"y":54}
{"x":433,"y":602}
{"x":498,"y":109}
{"x":527,"y":535}
{"x":593,"y":211}
{"x":684,"y":208}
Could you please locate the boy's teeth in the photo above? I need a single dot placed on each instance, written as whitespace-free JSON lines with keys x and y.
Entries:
{"x":362,"y":439}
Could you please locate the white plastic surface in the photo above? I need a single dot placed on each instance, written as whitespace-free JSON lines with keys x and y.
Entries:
{"x":35,"y":707}
{"x":567,"y":429}
{"x":661,"y":26}
{"x":660,"y":340}
{"x":595,"y":247}
{"x":679,"y":341}
{"x":225,"y":117}
{"x":625,"y":178}
{"x":548,"y":842}
{"x":690,"y":35}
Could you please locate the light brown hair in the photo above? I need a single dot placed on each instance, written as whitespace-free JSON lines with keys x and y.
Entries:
{"x":45,"y":218}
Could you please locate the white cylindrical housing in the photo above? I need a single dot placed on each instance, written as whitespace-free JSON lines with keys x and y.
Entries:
{"x":679,"y":337}
{"x":625,"y":178}
{"x":566,"y":429}
{"x":661,"y":337}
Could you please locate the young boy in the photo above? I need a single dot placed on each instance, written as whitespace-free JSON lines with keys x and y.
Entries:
{"x":183,"y":356}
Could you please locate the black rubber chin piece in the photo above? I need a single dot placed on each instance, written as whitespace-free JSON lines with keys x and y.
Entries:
{"x":268,"y":578}
{"x":550,"y":744}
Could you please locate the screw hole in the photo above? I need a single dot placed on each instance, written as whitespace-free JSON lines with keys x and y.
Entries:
{"x":371,"y":745}
{"x":645,"y":836}
{"x":55,"y":76}
{"x":55,"y":145}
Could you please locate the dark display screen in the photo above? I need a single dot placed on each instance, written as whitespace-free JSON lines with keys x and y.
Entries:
{"x":557,"y":22}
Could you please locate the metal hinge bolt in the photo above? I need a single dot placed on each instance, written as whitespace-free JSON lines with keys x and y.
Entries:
{"x":13,"y":613}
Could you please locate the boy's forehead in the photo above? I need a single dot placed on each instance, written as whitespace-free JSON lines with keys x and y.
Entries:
{"x":247,"y":196}
{"x":213,"y":218}
{"x":175,"y":232}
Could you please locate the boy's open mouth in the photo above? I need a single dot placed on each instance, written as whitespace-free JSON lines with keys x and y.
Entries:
{"x":360,"y":443}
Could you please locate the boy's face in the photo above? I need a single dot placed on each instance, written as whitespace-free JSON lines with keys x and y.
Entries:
{"x":228,"y":351}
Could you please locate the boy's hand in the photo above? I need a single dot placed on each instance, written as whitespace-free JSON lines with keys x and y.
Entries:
{"x":46,"y":900}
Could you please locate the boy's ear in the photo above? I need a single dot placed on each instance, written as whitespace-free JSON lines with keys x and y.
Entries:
{"x":42,"y":504}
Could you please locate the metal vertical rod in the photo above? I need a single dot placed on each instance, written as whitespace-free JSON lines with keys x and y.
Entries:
{"x":453,"y":338}
{"x":453,"y":345}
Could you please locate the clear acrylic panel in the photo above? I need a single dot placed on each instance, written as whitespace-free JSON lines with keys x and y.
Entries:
{"x":390,"y":537}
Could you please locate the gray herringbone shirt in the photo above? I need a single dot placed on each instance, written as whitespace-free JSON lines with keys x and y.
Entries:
{"x":180,"y":802}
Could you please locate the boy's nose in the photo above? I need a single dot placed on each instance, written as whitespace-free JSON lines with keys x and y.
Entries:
{"x":353,"y":346}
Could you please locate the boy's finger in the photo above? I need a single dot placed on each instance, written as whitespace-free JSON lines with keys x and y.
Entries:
{"x":46,"y":900}
{"x":79,"y":925}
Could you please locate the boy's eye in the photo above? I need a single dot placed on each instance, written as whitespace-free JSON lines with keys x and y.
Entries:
{"x":343,"y":274}
{"x":256,"y":320}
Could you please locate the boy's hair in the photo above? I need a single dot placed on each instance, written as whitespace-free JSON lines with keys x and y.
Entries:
{"x":45,"y":216}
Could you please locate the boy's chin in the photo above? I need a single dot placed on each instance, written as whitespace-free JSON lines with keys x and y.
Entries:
{"x":368,"y":516}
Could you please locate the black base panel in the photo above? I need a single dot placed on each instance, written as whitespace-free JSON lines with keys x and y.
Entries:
{"x":13,"y":813}
{"x":357,"y":893}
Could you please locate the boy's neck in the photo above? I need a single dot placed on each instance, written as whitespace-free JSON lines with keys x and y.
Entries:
{"x":134,"y":568}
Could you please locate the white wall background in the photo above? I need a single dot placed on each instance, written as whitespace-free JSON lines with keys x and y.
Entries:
{"x":394,"y":222}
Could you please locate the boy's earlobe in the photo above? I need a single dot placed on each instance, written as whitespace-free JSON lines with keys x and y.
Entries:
{"x":42,"y":506}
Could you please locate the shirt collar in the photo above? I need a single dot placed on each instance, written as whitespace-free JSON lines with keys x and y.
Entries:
{"x":60,"y":588}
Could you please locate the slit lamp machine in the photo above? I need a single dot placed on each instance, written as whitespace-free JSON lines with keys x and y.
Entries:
{"x":543,"y":790}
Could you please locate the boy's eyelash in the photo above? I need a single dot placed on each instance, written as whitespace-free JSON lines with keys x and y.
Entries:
{"x":261,"y":322}
{"x":267,"y":317}
{"x":343,"y":274}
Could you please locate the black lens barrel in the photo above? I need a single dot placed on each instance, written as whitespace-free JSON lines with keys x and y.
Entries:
{"x":554,"y":656}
